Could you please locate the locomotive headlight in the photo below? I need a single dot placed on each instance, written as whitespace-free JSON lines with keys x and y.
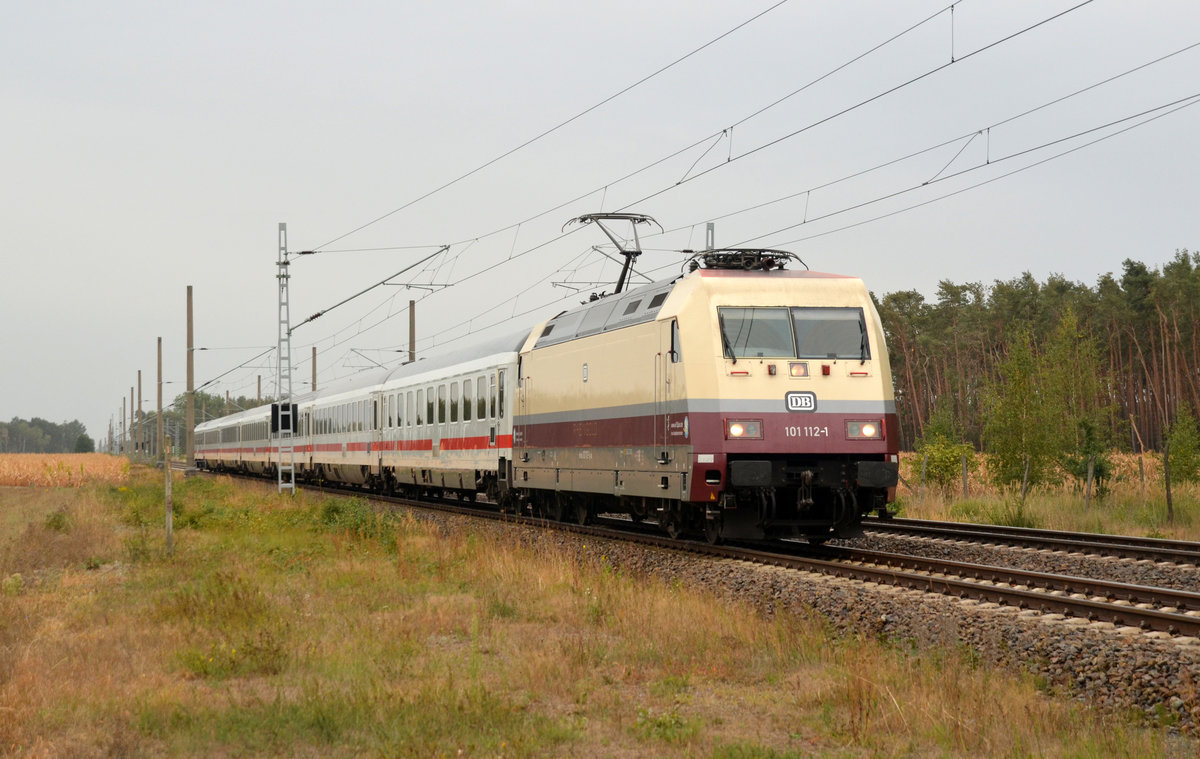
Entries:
{"x":864,"y":430}
{"x":743,"y":429}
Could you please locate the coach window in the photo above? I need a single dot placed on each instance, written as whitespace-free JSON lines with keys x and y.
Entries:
{"x":492,"y":395}
{"x":466,"y":401}
{"x":429,"y":398}
{"x":408,"y":408}
{"x":454,"y":402}
{"x":420,"y":407}
{"x":441,"y":404}
{"x":481,"y":398}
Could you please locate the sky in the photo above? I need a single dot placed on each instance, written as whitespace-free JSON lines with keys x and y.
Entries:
{"x":150,"y":146}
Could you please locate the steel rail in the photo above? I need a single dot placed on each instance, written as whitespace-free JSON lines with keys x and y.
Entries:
{"x":1121,"y":546}
{"x":1171,"y":598}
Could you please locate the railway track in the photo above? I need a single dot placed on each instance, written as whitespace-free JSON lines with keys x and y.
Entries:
{"x":1158,"y":609}
{"x":1121,"y":546}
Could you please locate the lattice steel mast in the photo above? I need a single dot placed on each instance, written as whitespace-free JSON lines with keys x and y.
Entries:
{"x":281,"y":416}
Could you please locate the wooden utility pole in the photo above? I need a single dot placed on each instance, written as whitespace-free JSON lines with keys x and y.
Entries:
{"x":141,"y":432}
{"x":170,"y":509}
{"x":158,"y":439}
{"x":132,"y":434}
{"x":190,"y":421}
{"x":412,"y":331}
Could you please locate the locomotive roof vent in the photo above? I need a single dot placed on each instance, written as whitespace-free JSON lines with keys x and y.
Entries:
{"x":744,"y":259}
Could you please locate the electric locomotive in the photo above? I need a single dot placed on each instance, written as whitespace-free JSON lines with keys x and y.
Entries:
{"x":742,"y":400}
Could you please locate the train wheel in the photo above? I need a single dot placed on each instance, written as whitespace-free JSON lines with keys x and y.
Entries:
{"x":712,"y":531}
{"x":558,"y":507}
{"x":673,"y":522}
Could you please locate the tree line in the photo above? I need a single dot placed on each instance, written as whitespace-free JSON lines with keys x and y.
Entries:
{"x":41,"y":436}
{"x":1049,"y":369}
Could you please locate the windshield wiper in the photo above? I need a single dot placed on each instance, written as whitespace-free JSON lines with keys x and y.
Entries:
{"x":862,"y":344}
{"x":725,"y":340}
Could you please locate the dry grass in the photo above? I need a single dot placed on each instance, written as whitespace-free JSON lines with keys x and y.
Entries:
{"x":1133,"y":502}
{"x":314,"y":627}
{"x":61,"y":470}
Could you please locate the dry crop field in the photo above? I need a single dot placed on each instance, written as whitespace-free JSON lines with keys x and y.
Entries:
{"x":61,"y":469}
{"x":315,"y":626}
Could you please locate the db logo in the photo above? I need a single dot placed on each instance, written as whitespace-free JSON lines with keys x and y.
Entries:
{"x":801,"y":401}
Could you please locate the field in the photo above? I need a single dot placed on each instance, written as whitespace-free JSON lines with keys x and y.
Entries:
{"x":61,"y":470}
{"x":313,"y":626}
{"x":1133,"y":502}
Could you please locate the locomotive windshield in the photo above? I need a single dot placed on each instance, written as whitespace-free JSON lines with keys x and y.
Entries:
{"x":812,"y":332}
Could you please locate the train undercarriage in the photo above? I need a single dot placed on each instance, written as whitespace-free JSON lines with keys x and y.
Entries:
{"x":763,"y":500}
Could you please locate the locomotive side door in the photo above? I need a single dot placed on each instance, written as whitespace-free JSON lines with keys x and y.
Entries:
{"x":664,"y":386}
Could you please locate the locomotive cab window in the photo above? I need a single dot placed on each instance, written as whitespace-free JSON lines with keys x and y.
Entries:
{"x":831,"y":333}
{"x":756,"y":333}
{"x":798,"y":332}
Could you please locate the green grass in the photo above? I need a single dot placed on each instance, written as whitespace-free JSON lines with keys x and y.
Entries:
{"x":320,"y":626}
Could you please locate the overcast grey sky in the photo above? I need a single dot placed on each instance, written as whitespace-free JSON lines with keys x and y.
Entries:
{"x":148,"y":146}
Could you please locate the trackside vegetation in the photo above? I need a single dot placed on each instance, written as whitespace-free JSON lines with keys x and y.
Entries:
{"x":315,"y":625}
{"x":1121,"y":356}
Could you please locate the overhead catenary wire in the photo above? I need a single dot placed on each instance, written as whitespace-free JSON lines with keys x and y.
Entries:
{"x":542,"y":245}
{"x":603,"y":189}
{"x":967,"y":136}
{"x":855,"y":106}
{"x":1179,"y":105}
{"x":555,"y":128}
